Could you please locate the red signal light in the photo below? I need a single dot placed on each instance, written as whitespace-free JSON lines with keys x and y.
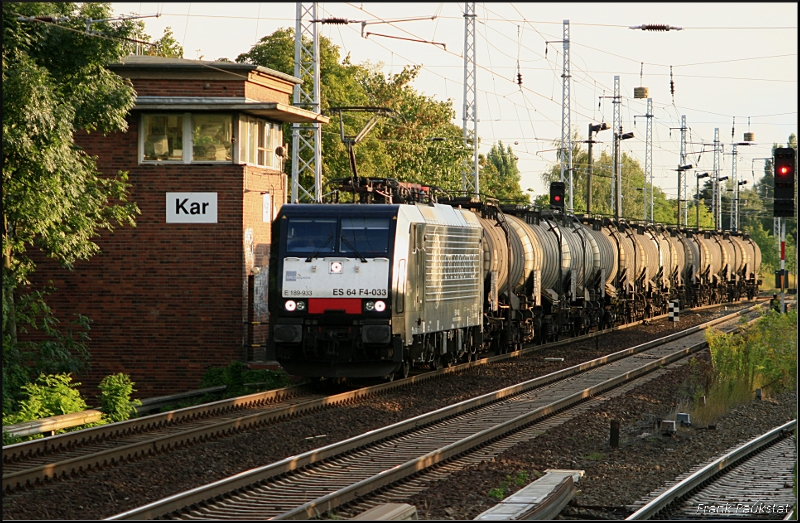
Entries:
{"x":557,"y":198}
{"x":784,"y":169}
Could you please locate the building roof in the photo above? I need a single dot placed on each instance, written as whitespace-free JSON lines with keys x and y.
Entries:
{"x":133,"y":65}
{"x":159,"y":62}
{"x":272,"y":110}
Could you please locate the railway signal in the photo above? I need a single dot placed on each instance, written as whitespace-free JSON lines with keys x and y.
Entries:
{"x":557,"y":195}
{"x":784,"y":182}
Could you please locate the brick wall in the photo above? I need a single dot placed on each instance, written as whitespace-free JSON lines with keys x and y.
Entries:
{"x":172,"y":87}
{"x":257,"y":234}
{"x":166,"y":300}
{"x":265,"y":94}
{"x":169,"y":300}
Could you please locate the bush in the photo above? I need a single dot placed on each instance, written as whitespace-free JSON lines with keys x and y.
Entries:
{"x":115,"y":397}
{"x":50,"y":395}
{"x":763,"y":355}
{"x":235,"y":375}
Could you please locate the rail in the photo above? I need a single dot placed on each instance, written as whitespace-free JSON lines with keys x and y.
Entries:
{"x":66,"y":421}
{"x":392,"y":472}
{"x":704,"y":474}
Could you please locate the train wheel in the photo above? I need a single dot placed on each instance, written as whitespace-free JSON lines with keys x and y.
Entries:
{"x":389,"y":377}
{"x":405,"y":368}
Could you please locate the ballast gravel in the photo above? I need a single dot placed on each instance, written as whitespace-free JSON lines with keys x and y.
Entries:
{"x":614,"y":477}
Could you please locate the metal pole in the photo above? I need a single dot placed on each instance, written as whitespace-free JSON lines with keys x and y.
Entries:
{"x":566,"y":132}
{"x":697,"y":202}
{"x":615,"y":128}
{"x":682,"y":177}
{"x":589,"y":180}
{"x":715,"y":185}
{"x":783,"y":266}
{"x":734,"y":225}
{"x":307,"y":138}
{"x":618,"y":208}
{"x":648,"y":157}
{"x":470,"y":176}
{"x":683,"y":162}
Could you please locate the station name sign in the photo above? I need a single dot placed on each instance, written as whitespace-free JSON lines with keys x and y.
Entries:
{"x":191,"y":207}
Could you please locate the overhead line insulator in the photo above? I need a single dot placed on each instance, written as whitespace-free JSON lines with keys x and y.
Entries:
{"x":340,"y":21}
{"x":657,"y":27}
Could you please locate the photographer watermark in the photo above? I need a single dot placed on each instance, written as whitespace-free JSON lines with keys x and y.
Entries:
{"x":758,"y":507}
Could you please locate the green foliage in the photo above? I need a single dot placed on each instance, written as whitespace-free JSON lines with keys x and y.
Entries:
{"x":55,"y":84}
{"x":418,"y":143}
{"x":499,"y":493}
{"x":237,"y":374}
{"x":595,"y":456}
{"x":499,"y":175}
{"x":115,"y":397}
{"x":165,"y":46}
{"x":763,"y":356}
{"x":632,"y":179}
{"x":60,"y":352}
{"x":49,"y":395}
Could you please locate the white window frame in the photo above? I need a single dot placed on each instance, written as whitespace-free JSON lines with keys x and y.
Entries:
{"x":268,"y":146}
{"x":188,"y":152}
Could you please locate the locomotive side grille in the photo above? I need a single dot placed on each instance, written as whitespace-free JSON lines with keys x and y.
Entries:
{"x":452,"y":263}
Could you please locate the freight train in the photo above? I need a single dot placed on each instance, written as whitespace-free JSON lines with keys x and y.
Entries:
{"x":403,"y":278}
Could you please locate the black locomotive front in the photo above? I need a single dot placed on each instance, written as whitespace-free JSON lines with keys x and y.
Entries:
{"x":330,"y":290}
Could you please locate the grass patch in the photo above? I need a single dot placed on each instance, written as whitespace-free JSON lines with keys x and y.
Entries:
{"x":499,"y":493}
{"x":594,"y":456}
{"x":763,"y":355}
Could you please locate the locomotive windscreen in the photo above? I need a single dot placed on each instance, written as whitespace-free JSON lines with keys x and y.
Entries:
{"x":311,"y":235}
{"x":364,"y":235}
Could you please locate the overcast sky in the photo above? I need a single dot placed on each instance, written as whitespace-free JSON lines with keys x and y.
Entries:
{"x":729,"y":60}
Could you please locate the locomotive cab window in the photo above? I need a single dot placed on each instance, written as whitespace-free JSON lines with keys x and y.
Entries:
{"x":309,"y":235}
{"x":363,"y":235}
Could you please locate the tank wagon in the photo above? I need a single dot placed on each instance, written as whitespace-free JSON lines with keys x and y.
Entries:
{"x":371,"y":290}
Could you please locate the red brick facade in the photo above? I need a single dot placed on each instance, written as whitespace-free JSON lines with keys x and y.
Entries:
{"x":169,"y":300}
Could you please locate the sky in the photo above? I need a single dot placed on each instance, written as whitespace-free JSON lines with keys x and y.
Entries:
{"x":733,"y":67}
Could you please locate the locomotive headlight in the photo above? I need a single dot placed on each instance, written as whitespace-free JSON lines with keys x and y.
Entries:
{"x":290,"y":305}
{"x":336,"y":267}
{"x":301,"y":305}
{"x":370,"y":306}
{"x":380,"y":306}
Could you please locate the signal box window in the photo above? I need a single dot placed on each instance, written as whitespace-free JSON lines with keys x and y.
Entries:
{"x":364,"y":236}
{"x":211,"y":137}
{"x":163,"y":137}
{"x":307,"y":235}
{"x":259,"y":140}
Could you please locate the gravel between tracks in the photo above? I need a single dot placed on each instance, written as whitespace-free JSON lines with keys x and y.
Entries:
{"x":620,"y":477}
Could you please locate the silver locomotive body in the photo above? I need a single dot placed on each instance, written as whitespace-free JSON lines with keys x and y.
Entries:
{"x":367,"y":290}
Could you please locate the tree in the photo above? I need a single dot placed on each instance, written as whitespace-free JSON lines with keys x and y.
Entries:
{"x":165,"y":46}
{"x":499,"y":174}
{"x":55,"y":84}
{"x":417,"y":143}
{"x":633,"y":181}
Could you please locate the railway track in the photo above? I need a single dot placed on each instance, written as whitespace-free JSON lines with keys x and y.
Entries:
{"x":316,"y":482}
{"x":33,"y":463}
{"x":753,"y":480}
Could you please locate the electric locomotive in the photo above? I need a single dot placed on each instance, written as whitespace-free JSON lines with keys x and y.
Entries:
{"x":367,"y":290}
